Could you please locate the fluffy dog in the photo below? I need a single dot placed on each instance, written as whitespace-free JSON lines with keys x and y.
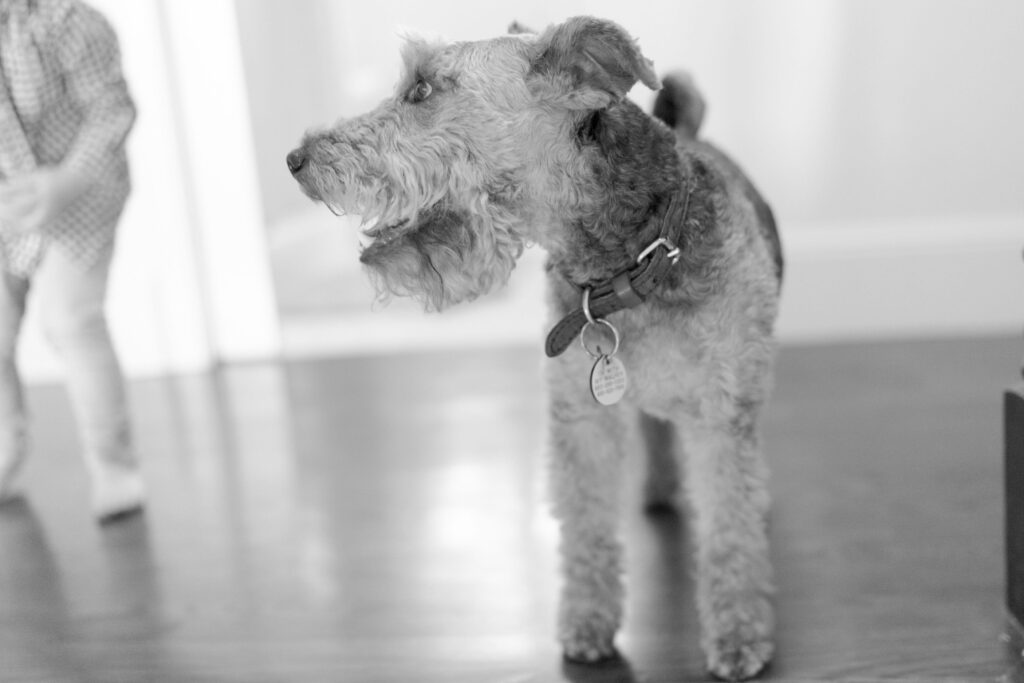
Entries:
{"x":662,"y":258}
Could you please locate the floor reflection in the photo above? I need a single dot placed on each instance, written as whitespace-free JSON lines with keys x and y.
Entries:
{"x":36,"y":617}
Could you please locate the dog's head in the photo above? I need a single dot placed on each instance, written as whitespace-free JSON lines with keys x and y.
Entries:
{"x":472,"y":155}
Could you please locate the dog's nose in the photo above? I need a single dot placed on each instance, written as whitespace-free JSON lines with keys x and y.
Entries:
{"x":296,"y":160}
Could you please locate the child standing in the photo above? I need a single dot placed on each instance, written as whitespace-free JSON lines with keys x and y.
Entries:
{"x":65,"y":112}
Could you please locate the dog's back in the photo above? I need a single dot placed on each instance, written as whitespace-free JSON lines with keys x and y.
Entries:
{"x":680,"y":105}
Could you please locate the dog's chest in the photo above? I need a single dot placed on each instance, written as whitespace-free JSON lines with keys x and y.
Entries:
{"x":667,"y":356}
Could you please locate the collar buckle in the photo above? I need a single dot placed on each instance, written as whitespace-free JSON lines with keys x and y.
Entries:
{"x":673,"y":250}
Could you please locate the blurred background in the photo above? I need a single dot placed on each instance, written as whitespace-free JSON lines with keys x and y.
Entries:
{"x":886,"y":136}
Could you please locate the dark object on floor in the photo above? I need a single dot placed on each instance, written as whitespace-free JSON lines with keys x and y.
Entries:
{"x":1014,"y":426}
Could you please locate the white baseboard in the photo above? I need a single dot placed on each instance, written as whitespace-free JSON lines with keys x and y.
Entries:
{"x":927,"y":278}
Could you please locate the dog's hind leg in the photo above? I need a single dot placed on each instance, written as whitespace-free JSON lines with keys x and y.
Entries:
{"x":586,"y":469}
{"x":661,"y":484}
{"x":726,"y":481}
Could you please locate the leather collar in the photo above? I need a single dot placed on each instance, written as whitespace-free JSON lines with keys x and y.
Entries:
{"x":630,"y":287}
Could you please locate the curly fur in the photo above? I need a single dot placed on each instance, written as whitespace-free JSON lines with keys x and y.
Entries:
{"x":529,"y":137}
{"x":449,"y":258}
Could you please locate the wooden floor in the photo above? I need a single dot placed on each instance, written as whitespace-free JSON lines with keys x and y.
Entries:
{"x":383,"y":520}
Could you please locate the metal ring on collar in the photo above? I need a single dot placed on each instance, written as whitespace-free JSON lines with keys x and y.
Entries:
{"x":583,"y":338}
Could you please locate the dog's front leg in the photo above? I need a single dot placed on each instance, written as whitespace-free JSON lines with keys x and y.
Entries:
{"x":727,"y":484}
{"x":585,"y":478}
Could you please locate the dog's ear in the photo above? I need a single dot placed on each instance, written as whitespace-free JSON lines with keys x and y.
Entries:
{"x":587,"y":63}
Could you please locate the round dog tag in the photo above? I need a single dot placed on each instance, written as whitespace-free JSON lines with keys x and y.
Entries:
{"x":608,"y":380}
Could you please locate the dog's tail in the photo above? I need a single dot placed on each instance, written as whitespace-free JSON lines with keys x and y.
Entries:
{"x":679,"y":104}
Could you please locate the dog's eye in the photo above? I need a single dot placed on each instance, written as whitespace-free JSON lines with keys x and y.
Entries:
{"x":420,"y":91}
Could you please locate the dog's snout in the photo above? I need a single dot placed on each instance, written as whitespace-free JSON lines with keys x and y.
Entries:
{"x":296,"y":160}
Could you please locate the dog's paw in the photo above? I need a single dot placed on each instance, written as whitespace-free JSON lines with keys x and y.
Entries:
{"x":737,"y":640}
{"x":588,"y":642}
{"x":738,"y":659}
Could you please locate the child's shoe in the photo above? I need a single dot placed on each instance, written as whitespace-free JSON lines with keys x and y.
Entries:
{"x":117,"y":491}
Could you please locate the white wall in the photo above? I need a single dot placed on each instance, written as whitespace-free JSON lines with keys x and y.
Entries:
{"x":215,"y":122}
{"x":291,"y":73}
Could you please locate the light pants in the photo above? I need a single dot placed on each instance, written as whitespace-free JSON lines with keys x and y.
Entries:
{"x":70,"y":298}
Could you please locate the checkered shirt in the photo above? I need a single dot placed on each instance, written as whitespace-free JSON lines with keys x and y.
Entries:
{"x":63,"y":101}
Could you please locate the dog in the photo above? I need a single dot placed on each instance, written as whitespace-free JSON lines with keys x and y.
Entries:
{"x":663,"y":260}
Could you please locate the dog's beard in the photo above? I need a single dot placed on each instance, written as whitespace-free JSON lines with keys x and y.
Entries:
{"x":430,"y":239}
{"x":442,"y":258}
